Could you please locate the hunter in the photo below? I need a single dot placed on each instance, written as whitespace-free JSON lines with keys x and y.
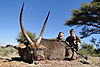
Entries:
{"x":60,"y":37}
{"x":61,"y":40}
{"x":73,"y":40}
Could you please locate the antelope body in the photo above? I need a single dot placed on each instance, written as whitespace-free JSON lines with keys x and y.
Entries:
{"x":51,"y":48}
{"x":53,"y":51}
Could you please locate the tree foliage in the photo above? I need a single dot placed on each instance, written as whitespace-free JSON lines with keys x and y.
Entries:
{"x":87,"y":46}
{"x":87,"y":49}
{"x":97,"y":44}
{"x":88,"y":17}
{"x":21,"y":37}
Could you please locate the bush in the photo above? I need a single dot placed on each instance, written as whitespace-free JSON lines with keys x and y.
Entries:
{"x":7,"y":50}
{"x":21,"y":37}
{"x":91,"y":52}
{"x":9,"y":45}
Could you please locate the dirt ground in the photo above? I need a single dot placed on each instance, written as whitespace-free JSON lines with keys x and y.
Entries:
{"x":8,"y":59}
{"x":80,"y":62}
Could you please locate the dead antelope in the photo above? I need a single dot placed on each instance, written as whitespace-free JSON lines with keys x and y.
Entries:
{"x":51,"y":49}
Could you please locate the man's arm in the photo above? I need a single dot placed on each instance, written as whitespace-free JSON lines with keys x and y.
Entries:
{"x":78,"y":39}
{"x":67,"y":41}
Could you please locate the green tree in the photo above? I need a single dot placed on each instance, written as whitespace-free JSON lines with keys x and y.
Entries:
{"x":87,"y":46}
{"x":87,"y":49}
{"x":88,"y":17}
{"x":21,"y":37}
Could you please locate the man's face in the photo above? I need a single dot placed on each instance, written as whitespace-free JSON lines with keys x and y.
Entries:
{"x":60,"y":35}
{"x":72,"y":33}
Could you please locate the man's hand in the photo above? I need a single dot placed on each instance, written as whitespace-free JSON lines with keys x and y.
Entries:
{"x":75,"y":42}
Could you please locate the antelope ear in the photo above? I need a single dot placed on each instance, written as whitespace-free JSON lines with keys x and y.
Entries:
{"x":41,"y":34}
{"x":23,"y":31}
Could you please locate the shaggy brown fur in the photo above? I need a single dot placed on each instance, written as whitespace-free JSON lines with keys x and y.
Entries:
{"x":53,"y":51}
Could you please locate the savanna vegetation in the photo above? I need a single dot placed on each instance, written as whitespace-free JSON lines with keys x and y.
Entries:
{"x":88,"y":49}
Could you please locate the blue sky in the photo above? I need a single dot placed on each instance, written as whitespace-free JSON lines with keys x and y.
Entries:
{"x":34,"y":15}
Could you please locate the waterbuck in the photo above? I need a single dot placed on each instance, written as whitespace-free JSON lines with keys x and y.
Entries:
{"x":40,"y":48}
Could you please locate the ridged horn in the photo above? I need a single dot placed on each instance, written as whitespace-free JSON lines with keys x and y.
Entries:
{"x":41,"y":34}
{"x":23,"y":31}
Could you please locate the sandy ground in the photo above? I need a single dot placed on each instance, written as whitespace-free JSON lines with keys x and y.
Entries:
{"x":80,"y":62}
{"x":13,"y":60}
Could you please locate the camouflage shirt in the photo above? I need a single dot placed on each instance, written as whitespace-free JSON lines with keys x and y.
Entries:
{"x":60,"y":39}
{"x":71,"y":39}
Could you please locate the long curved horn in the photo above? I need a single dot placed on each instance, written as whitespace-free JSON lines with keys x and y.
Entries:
{"x":41,"y":34}
{"x":23,"y":31}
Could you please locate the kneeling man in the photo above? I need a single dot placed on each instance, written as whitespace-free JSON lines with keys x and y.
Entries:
{"x":73,"y":41}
